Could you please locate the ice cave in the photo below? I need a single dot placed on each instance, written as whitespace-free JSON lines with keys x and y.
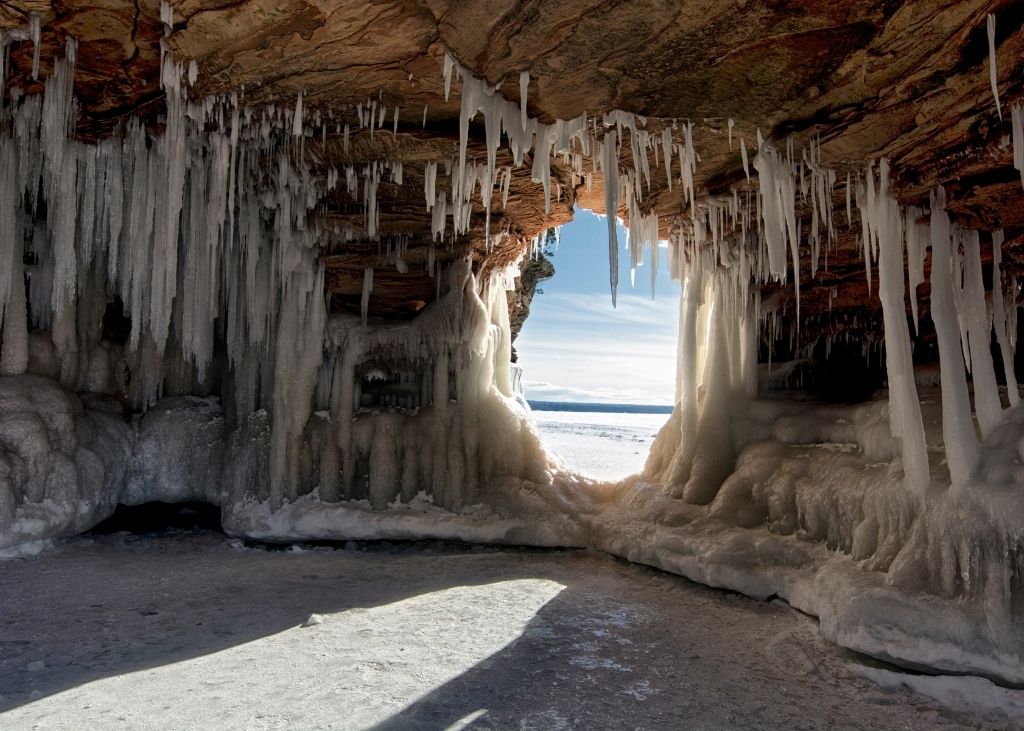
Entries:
{"x":272,"y":256}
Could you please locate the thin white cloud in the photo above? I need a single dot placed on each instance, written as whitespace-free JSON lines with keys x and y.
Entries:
{"x":575,"y":347}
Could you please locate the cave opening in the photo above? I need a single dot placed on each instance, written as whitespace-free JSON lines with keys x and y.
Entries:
{"x":596,"y":401}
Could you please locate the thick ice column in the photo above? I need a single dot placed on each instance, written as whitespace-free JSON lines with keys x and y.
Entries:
{"x":14,"y":357}
{"x":298,"y":356}
{"x":904,"y":405}
{"x":441,"y":380}
{"x":958,"y":435}
{"x":346,"y":396}
{"x":498,"y":302}
{"x":713,"y":456}
{"x":690,"y":302}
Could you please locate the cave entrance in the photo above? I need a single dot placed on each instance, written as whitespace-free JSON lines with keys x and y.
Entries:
{"x":158,"y":518}
{"x":599,"y":379}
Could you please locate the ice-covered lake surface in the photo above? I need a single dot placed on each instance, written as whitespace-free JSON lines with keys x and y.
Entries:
{"x":603,"y":445}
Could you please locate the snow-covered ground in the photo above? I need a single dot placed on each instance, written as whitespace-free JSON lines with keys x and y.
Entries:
{"x":605,"y":446}
{"x":198,"y":631}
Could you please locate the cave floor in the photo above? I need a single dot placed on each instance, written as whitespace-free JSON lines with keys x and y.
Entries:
{"x":197,"y":630}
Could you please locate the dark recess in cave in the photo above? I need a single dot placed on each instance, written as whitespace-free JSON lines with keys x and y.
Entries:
{"x":157,"y":518}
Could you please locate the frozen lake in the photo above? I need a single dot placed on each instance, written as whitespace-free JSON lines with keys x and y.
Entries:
{"x":606,"y":446}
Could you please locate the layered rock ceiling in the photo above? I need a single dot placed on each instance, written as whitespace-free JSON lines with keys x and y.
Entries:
{"x":905,"y":79}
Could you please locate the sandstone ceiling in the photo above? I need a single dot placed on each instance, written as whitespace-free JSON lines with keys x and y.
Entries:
{"x":907,"y":79}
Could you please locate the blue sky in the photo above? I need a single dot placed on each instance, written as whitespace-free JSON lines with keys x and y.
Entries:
{"x":576,"y":347}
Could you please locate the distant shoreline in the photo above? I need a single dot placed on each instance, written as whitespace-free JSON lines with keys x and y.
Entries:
{"x":599,"y":408}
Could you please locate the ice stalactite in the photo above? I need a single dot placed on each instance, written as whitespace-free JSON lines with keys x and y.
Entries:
{"x":777,"y":191}
{"x":885,"y":225}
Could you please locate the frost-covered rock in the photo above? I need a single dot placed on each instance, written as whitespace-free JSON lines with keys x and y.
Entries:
{"x":62,"y":465}
{"x":178,"y":453}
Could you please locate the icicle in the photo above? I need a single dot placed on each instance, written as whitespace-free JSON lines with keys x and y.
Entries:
{"x":424,"y":116}
{"x":849,"y":201}
{"x":35,"y":31}
{"x":524,"y":86}
{"x":430,"y":183}
{"x":449,"y":65}
{"x":746,"y":161}
{"x":992,"y":73}
{"x":1017,"y":118}
{"x":731,"y":125}
{"x":166,"y":16}
{"x":364,"y":302}
{"x":394,"y":126}
{"x":610,"y":170}
{"x":917,"y":244}
{"x":297,"y":118}
{"x":666,"y":146}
